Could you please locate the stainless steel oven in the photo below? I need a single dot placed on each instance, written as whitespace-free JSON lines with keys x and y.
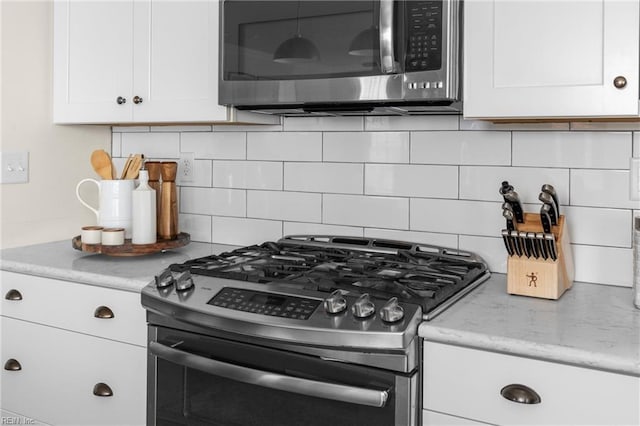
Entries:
{"x":198,"y":379}
{"x":343,"y":57}
{"x":308,"y":330}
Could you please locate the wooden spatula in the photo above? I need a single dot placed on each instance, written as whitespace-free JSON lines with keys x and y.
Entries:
{"x":101,"y":162}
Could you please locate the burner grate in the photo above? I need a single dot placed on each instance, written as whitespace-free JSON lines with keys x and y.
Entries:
{"x":427,"y":278}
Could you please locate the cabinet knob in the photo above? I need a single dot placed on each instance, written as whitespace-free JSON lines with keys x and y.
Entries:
{"x":13,"y":294}
{"x":521,"y":394}
{"x":137,"y":100}
{"x":103,"y":312}
{"x":620,"y":82}
{"x":102,"y":389}
{"x":12,"y":365}
{"x":120,"y":100}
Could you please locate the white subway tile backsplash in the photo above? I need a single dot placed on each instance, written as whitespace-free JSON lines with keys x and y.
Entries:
{"x":598,"y":150}
{"x":301,"y":228}
{"x":599,"y":226}
{"x":483,"y":183}
{"x":327,"y":124}
{"x":444,"y":240}
{"x":277,"y":205}
{"x":604,"y":265}
{"x":152,"y":145}
{"x":461,"y":147}
{"x":423,"y":122}
{"x":245,"y":232}
{"x":357,"y":210}
{"x":601,"y":188}
{"x":426,"y":179}
{"x":490,"y":249}
{"x":247,"y":174}
{"x":197,"y":226}
{"x":219,"y":145}
{"x":366,"y":147}
{"x":456,"y":217}
{"x":281,"y":146}
{"x":411,"y":180}
{"x":341,"y":178}
{"x":116,"y":145}
{"x":212,"y":201}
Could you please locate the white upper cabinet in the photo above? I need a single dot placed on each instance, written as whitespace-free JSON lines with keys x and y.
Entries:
{"x":549,"y":59}
{"x":138,"y":61}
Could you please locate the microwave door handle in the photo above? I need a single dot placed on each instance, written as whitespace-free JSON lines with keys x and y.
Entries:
{"x":387,"y":55}
{"x":333,"y":391}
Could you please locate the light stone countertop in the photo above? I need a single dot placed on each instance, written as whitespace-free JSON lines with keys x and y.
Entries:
{"x":61,"y":261}
{"x":591,"y":325}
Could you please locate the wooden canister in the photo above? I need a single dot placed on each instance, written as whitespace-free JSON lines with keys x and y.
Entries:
{"x":153,"y":167}
{"x":168,"y":224}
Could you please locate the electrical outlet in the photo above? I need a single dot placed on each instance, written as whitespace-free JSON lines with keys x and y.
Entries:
{"x":186,"y":167}
{"x":15,"y":167}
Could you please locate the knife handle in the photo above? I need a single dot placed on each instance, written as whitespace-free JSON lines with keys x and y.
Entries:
{"x":542,"y":245}
{"x":507,"y":241}
{"x":516,"y":243}
{"x":545,"y":218}
{"x":549,"y":189}
{"x":551,"y":244}
{"x":512,"y":198}
{"x":533,"y":244}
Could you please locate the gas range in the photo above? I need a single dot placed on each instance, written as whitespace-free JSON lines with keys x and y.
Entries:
{"x":328,"y":291}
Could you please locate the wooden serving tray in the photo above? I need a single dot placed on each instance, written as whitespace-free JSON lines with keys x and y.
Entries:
{"x":128,"y":249}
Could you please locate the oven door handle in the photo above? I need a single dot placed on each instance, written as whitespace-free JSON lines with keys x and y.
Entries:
{"x":387,"y":56}
{"x":343,"y":393}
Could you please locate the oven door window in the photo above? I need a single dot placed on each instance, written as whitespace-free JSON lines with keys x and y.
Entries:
{"x":293,"y":40}
{"x":228,"y":394}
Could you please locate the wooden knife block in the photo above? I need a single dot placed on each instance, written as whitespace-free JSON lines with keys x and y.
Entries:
{"x":547,"y":279}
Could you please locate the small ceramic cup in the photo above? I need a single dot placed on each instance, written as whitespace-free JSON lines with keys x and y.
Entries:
{"x":112,"y":236}
{"x":91,"y":234}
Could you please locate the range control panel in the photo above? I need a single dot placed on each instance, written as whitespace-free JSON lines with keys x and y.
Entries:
{"x":424,"y":26}
{"x":277,"y":305}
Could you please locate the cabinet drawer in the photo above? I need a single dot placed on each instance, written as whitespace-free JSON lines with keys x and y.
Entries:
{"x":467,"y":383}
{"x":59,"y":370}
{"x":431,"y":418}
{"x":74,"y":306}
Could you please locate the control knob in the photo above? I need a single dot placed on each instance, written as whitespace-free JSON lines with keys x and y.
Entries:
{"x":335,"y":303}
{"x":363,"y":307}
{"x":392,"y":311}
{"x":165,"y":279}
{"x":184,"y":281}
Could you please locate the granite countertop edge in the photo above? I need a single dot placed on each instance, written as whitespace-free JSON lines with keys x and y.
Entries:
{"x":530,"y":349}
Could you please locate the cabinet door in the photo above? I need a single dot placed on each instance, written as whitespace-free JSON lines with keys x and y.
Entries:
{"x":59,"y":370}
{"x":92,"y":61}
{"x":550,"y":59}
{"x":176,"y":61}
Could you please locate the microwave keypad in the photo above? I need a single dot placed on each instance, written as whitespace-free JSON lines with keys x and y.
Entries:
{"x":424,"y":50}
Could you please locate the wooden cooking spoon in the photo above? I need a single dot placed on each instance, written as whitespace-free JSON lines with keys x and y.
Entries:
{"x":101,"y":162}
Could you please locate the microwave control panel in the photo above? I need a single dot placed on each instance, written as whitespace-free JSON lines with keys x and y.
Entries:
{"x":424,"y":26}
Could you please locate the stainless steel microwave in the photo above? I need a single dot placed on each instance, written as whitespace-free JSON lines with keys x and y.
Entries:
{"x":340,"y":57}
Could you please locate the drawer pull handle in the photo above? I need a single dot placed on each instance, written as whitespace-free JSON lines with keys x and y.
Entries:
{"x":103,"y":312}
{"x":521,"y":394}
{"x":12,"y":365}
{"x":102,"y":389}
{"x":13,"y":294}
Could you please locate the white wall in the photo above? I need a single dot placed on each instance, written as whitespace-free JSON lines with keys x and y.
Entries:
{"x":46,"y":208}
{"x":430,"y":179}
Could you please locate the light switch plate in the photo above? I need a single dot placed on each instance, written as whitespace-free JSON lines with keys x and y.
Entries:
{"x":15,"y":167}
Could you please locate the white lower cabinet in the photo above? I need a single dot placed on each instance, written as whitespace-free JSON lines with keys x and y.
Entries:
{"x":461,"y":383}
{"x":71,"y":354}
